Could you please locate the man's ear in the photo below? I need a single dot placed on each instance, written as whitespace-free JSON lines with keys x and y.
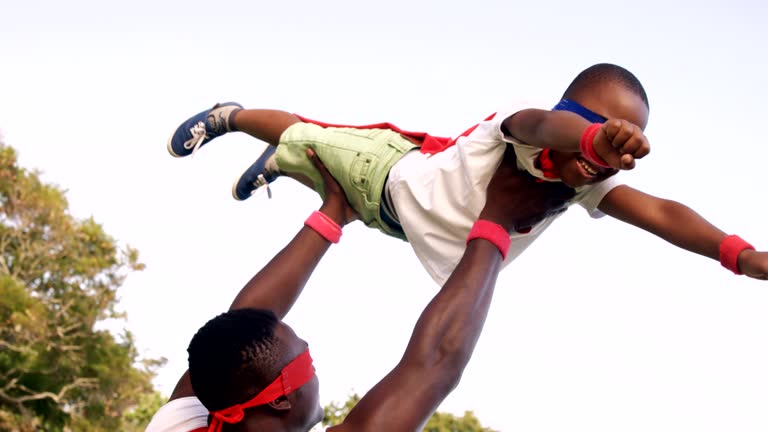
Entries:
{"x":280,"y":404}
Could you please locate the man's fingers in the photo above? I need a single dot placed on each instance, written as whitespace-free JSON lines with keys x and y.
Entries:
{"x":312,"y":155}
{"x":318,"y":163}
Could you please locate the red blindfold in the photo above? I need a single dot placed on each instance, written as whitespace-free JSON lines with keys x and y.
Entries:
{"x":294,"y":375}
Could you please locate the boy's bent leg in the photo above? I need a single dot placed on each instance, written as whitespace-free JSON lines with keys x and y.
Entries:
{"x":203,"y":127}
{"x":266,"y":125}
{"x":359,"y":159}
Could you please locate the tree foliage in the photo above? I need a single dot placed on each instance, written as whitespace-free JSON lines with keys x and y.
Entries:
{"x":439,"y":422}
{"x":58,"y":279}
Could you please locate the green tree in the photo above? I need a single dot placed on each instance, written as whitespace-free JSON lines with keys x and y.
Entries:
{"x":335,"y":413}
{"x":137,"y":419}
{"x":58,"y":279}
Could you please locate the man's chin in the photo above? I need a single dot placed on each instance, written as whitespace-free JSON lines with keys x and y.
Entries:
{"x":318,"y":416}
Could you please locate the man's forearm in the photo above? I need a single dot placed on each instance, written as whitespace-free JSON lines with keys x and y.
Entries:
{"x":440,"y":347}
{"x":449,"y":327}
{"x":277,"y":286}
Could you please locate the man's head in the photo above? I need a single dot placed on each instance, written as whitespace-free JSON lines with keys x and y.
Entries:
{"x":236,"y":355}
{"x":609,"y":91}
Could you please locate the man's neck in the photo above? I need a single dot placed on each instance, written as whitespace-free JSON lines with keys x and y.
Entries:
{"x":256,"y":423}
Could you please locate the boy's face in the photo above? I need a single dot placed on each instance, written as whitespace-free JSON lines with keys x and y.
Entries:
{"x":610,"y":101}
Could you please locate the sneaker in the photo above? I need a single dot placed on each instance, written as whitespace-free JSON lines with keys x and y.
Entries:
{"x":260,"y":174}
{"x":201,"y":128}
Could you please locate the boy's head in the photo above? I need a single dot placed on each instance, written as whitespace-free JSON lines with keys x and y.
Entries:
{"x":238,"y":354}
{"x":609,"y":91}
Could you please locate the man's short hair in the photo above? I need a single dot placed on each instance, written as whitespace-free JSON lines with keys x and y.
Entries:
{"x":606,"y":72}
{"x":233,"y":357}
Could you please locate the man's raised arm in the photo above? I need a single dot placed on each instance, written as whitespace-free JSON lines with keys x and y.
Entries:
{"x":447,"y":331}
{"x":277,"y":286}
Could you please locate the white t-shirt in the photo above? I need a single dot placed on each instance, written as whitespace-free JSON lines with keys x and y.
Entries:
{"x":185,"y":414}
{"x":438,"y":197}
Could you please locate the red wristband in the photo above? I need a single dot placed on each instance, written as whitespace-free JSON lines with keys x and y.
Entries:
{"x":492,"y":232}
{"x":324,"y":226}
{"x":730,"y":248}
{"x":587,"y":145}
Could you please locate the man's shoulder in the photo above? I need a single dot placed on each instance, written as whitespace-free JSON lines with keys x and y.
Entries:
{"x":180,"y":415}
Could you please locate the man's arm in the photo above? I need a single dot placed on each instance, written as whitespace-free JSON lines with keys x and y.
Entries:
{"x":677,"y":224}
{"x":277,"y":286}
{"x":447,"y":331}
{"x":619,"y":142}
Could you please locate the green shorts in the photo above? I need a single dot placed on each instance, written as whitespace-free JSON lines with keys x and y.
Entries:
{"x":359,"y":159}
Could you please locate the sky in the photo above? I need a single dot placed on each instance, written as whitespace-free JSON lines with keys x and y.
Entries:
{"x":597,"y":327}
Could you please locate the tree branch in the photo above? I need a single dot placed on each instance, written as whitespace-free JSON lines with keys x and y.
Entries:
{"x":32,"y":395}
{"x":23,"y":350}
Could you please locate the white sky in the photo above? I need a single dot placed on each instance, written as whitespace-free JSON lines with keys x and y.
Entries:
{"x":598,"y":327}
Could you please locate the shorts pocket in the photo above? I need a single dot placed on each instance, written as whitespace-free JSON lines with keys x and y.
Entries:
{"x":399,"y":144}
{"x":360,"y":172}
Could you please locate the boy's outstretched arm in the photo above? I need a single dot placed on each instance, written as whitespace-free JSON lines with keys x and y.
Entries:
{"x":618,"y":142}
{"x":679,"y":225}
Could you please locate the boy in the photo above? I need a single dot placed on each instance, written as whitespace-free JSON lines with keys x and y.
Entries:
{"x":432,"y":196}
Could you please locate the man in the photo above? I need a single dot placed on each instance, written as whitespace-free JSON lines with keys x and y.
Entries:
{"x":251,"y":372}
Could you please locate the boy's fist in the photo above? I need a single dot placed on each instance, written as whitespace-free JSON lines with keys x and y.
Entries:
{"x":754,"y":264}
{"x":620,"y":142}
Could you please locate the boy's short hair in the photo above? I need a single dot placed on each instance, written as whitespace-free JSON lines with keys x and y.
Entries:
{"x":233,"y":356}
{"x":606,"y":72}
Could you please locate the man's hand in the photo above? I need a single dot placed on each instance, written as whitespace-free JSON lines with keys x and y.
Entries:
{"x":754,"y":264}
{"x":516,"y":200}
{"x":335,"y":205}
{"x":620,"y":142}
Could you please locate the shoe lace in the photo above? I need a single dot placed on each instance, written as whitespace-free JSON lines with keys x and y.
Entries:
{"x":261,"y":183}
{"x":198,"y":136}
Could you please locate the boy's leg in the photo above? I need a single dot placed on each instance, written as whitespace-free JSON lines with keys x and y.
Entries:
{"x":203,"y":127}
{"x":266,"y":125}
{"x":359,"y":159}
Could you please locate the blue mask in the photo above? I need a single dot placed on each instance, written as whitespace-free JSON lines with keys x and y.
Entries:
{"x":569,"y":105}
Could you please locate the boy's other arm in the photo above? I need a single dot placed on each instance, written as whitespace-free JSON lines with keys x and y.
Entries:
{"x":677,"y":224}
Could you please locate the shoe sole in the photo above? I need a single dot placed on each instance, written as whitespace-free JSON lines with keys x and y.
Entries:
{"x":170,"y":148}
{"x":234,"y":185}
